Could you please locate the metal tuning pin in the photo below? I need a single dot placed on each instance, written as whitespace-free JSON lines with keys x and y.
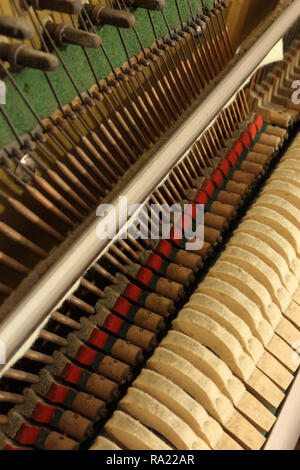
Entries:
{"x":100,"y":15}
{"x":64,"y":6}
{"x":147,"y":4}
{"x":19,"y":56}
{"x":64,"y":34}
{"x":15,"y":27}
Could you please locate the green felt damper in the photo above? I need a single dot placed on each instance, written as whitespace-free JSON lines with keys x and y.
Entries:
{"x":35,"y":86}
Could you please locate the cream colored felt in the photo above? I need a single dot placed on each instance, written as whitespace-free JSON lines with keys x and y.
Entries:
{"x":102,"y":443}
{"x":278,"y":222}
{"x":281,"y":205}
{"x":212,"y":366}
{"x":284,"y":353}
{"x":218,"y":339}
{"x":201,"y":387}
{"x":242,"y":306}
{"x":249,"y":286}
{"x":183,"y":405}
{"x":287,"y":172}
{"x":274,"y":240}
{"x":290,"y":164}
{"x":287,"y":189}
{"x":286,"y":175}
{"x":206,"y":361}
{"x":239,"y":304}
{"x":289,"y":167}
{"x":198,"y":385}
{"x":258,"y":269}
{"x":290,"y":193}
{"x":293,"y":313}
{"x":291,"y":154}
{"x":295,"y":147}
{"x":210,"y":333}
{"x":155,"y":415}
{"x":253,"y":244}
{"x":255,"y":292}
{"x":216,"y":310}
{"x":227,"y":443}
{"x":288,"y":331}
{"x":132,"y":434}
{"x":296,"y":296}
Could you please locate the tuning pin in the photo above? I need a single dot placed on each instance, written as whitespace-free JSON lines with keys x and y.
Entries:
{"x":15,"y":27}
{"x":147,"y":4}
{"x":19,"y":55}
{"x":64,"y":34}
{"x":64,"y":6}
{"x":100,"y":15}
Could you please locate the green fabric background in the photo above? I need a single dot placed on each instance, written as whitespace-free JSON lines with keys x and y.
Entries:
{"x":36,"y":88}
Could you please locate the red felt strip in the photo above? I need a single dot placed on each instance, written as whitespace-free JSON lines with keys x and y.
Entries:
{"x":122,"y":306}
{"x":252,"y":130}
{"x":224,"y":166}
{"x":113,"y":323}
{"x":245,"y":140}
{"x":232,"y":157}
{"x":98,"y":338}
{"x":201,"y":198}
{"x":27,"y":434}
{"x":217,"y":178}
{"x":238,"y":148}
{"x":71,"y":373}
{"x":258,"y":121}
{"x":164,"y":247}
{"x":42,"y":413}
{"x":57,"y":393}
{"x":132,"y":292}
{"x":144,"y":276}
{"x":208,"y":187}
{"x":154,"y":261}
{"x":86,"y":355}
